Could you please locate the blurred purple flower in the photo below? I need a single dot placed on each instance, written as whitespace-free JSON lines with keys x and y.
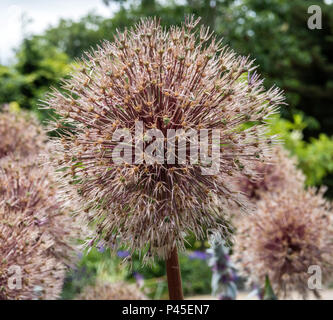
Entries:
{"x":100,"y":247}
{"x":229,"y":277}
{"x":123,"y":254}
{"x":139,"y":279}
{"x":198,"y":255}
{"x":219,"y":266}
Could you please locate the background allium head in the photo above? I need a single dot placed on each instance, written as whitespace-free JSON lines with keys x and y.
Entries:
{"x":291,"y":231}
{"x":273,"y":177}
{"x":20,"y":134}
{"x":35,"y":233}
{"x":103,"y":290}
{"x":178,"y":79}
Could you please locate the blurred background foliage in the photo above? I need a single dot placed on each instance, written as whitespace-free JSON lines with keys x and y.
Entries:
{"x":101,"y":264}
{"x":274,"y":32}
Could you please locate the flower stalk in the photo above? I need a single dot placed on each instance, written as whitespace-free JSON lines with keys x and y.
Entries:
{"x":174,"y":276}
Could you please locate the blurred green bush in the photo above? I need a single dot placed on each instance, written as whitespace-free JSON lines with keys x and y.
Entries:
{"x":315,"y":156}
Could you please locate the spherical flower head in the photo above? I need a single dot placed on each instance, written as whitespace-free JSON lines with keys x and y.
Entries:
{"x":282,"y":172}
{"x":25,"y":244}
{"x":35,"y":234}
{"x":178,"y":83}
{"x":20,"y":134}
{"x":291,"y":231}
{"x":103,"y":290}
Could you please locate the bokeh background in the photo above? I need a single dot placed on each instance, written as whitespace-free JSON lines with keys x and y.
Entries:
{"x":40,"y":40}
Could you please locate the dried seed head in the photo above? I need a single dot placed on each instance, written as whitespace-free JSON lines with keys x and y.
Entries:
{"x":291,"y":231}
{"x":35,"y":234}
{"x":163,"y":86}
{"x":273,"y":177}
{"x":20,"y":134}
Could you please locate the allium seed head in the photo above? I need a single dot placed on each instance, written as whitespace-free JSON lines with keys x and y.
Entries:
{"x":181,"y":79}
{"x":273,"y":177}
{"x":20,"y":134}
{"x":35,"y":234}
{"x":291,"y":231}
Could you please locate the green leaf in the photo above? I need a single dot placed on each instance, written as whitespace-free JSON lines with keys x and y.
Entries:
{"x":268,"y":290}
